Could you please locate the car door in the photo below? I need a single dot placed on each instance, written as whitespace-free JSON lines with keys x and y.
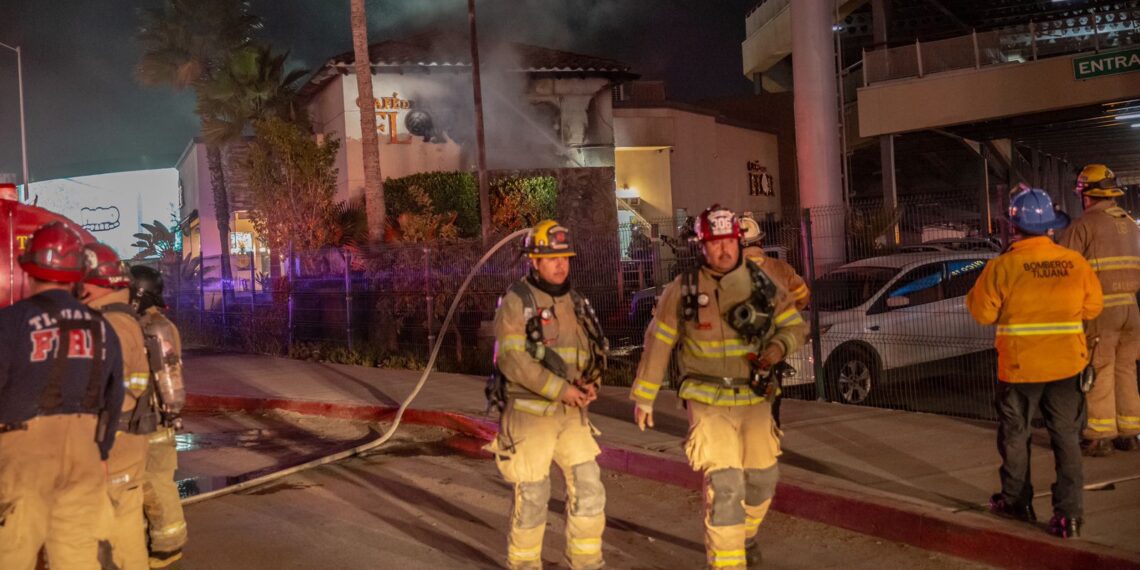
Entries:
{"x":907,"y":319}
{"x":961,"y":333}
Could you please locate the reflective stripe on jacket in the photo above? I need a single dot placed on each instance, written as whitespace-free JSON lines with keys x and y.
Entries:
{"x":1109,"y":239}
{"x":709,"y":346}
{"x":532,"y":387}
{"x":1037,"y":293}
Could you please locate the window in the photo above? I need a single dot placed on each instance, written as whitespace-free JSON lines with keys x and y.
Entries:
{"x":962,"y":275}
{"x":921,"y":285}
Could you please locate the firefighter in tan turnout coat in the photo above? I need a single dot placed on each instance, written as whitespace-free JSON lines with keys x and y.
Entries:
{"x":730,"y":323}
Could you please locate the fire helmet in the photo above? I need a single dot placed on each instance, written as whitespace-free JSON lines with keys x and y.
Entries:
{"x":717,"y":223}
{"x":548,"y":239}
{"x":1097,"y":181}
{"x":146,"y":288}
{"x":1031,"y":210}
{"x":103,"y":268}
{"x":54,"y":253}
{"x":750,"y":230}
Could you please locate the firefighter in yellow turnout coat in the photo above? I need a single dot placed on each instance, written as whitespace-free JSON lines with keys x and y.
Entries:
{"x":1109,"y":239}
{"x":549,"y":356}
{"x":730,"y":324}
{"x":105,"y":290}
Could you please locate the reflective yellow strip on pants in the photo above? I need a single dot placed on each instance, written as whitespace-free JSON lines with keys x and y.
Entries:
{"x":585,"y":546}
{"x":170,"y":530}
{"x":1119,"y":300}
{"x":725,"y":558}
{"x":751,"y":524}
{"x":1115,"y":263}
{"x":1128,"y":422}
{"x":643,"y":389}
{"x":524,"y":554}
{"x":1034,"y":329}
{"x":1101,"y":424}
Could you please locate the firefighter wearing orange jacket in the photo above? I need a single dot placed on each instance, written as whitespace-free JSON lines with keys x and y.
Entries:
{"x":1109,"y":239}
{"x":1038,"y":293}
{"x":731,"y":324}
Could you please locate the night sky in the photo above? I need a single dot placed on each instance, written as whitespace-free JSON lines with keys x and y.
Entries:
{"x":87,"y":115}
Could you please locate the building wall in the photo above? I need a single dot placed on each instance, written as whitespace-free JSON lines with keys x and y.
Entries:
{"x":194,"y":173}
{"x":708,"y":159}
{"x":648,"y":172}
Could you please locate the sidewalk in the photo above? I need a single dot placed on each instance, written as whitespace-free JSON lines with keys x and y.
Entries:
{"x":917,"y":478}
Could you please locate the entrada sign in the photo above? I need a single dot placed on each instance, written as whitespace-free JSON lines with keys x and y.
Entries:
{"x":1102,"y":64}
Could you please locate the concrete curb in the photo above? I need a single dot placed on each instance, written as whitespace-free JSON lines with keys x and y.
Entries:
{"x":973,"y":537}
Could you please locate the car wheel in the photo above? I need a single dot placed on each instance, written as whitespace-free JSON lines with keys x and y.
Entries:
{"x":852,"y":375}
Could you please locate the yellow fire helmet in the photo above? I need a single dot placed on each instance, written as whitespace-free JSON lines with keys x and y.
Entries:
{"x":548,"y":239}
{"x":1097,"y":181}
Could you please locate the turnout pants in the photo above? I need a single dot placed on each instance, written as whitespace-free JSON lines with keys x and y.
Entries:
{"x":53,"y":493}
{"x":1062,"y":405}
{"x":161,"y":502}
{"x":1114,"y":402}
{"x":524,"y":449}
{"x":736,"y":447}
{"x":125,"y":467}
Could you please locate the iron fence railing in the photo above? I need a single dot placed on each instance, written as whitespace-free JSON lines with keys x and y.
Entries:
{"x":888,"y":319}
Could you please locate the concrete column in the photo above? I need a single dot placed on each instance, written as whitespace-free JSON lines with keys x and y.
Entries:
{"x":817,"y":129}
{"x":985,"y":216}
{"x":890,"y":189}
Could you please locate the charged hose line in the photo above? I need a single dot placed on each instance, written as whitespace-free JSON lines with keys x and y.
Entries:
{"x":399,"y":413}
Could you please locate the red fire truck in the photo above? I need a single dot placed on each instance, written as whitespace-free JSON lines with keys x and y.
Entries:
{"x":17,"y":223}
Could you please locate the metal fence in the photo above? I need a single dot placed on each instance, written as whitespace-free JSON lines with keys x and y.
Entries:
{"x":889,"y":305}
{"x":1016,"y":44}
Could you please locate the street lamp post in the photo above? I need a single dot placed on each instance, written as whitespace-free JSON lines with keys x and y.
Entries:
{"x":23,"y":128}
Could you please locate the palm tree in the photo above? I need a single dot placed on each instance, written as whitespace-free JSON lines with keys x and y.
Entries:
{"x":369,"y":140}
{"x":252,"y":84}
{"x":185,"y":42}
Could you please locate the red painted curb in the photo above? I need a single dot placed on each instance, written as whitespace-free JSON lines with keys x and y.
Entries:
{"x":850,"y":510}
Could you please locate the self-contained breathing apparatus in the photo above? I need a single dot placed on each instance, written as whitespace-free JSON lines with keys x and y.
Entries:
{"x":752,"y":318}
{"x":162,"y":401}
{"x":496,"y":389}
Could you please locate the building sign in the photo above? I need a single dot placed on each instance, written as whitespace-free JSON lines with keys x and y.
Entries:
{"x":388,"y":111}
{"x":1102,"y":64}
{"x":760,"y":183}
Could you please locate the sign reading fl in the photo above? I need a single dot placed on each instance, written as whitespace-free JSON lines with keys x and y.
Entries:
{"x":1101,"y":64}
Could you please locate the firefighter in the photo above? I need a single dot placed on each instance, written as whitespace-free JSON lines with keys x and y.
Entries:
{"x":1038,"y":293}
{"x":732,"y":324}
{"x":782,"y":273}
{"x":161,"y":503}
{"x":1109,"y":239}
{"x":549,"y":357}
{"x":61,"y":390}
{"x":105,"y":289}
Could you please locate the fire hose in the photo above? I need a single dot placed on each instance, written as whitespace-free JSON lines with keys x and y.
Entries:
{"x":391,"y":431}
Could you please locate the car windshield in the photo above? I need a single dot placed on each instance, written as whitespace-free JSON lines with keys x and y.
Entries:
{"x":850,"y":287}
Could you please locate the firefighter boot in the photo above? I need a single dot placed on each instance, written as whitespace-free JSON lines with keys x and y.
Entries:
{"x":1065,"y":526}
{"x":1127,"y":443}
{"x":1006,"y":509}
{"x":1096,"y":447}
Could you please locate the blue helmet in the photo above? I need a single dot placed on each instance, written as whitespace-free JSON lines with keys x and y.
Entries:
{"x":1031,"y":210}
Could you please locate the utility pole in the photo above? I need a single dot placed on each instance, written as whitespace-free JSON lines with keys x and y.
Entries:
{"x":480,"y":144}
{"x":23,"y":128}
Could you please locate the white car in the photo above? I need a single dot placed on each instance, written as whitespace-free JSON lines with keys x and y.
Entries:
{"x":888,"y":313}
